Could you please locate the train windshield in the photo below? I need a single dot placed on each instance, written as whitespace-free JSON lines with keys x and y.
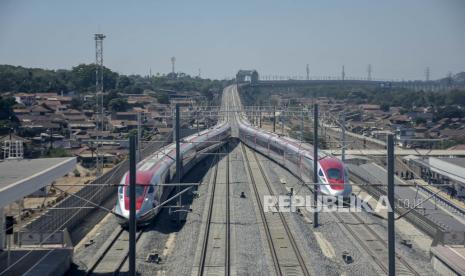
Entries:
{"x":334,"y":173}
{"x":139,"y":191}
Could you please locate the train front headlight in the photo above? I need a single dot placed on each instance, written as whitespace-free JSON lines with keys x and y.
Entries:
{"x":120,"y":193}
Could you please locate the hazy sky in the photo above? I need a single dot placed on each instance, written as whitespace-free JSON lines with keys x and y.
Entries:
{"x":400,"y":38}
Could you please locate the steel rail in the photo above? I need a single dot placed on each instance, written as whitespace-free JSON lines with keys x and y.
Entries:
{"x":100,"y":259}
{"x":203,"y":254}
{"x":292,"y":241}
{"x":207,"y":232}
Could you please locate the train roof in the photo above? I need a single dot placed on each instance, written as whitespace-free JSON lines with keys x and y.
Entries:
{"x":296,"y":143}
{"x":166,"y":154}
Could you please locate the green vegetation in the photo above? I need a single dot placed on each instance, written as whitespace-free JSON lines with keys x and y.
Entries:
{"x":118,"y":104}
{"x":81,"y":80}
{"x":7,"y":120}
{"x":6,"y":107}
{"x":446,"y":104}
{"x":57,"y":152}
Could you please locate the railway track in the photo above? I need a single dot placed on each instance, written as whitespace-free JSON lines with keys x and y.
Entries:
{"x":372,"y":243}
{"x":113,"y":254}
{"x":286,"y":256}
{"x":215,"y":253}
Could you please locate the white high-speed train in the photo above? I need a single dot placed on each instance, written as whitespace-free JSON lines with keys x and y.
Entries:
{"x":160,"y":168}
{"x":297,"y":157}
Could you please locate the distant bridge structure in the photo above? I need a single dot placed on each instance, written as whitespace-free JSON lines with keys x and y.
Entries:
{"x":247,"y":76}
{"x":253,"y":78}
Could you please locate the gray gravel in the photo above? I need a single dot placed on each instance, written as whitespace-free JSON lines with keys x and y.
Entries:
{"x":84,"y":255}
{"x":338,"y":237}
{"x":249,"y":255}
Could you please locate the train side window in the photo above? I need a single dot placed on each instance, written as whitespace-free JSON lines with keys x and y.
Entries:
{"x":150,"y":189}
{"x":320,"y":173}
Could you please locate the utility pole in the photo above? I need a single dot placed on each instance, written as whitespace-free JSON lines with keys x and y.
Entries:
{"x":274,"y":118}
{"x":99,"y":96}
{"x":173,"y":113}
{"x":197,"y":120}
{"x":132,"y":205}
{"x":369,"y":71}
{"x":301,"y":126}
{"x":139,"y":134}
{"x":315,"y":165}
{"x":178,"y":165}
{"x":391,"y":229}
{"x":281,"y":115}
{"x":343,"y":136}
{"x":308,"y":72}
{"x":343,"y":74}
{"x":51,"y":139}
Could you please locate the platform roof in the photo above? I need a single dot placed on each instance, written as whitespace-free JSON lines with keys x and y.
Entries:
{"x":460,"y":162}
{"x":19,"y":178}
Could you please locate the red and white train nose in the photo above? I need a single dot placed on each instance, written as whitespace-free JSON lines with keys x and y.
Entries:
{"x":334,"y":173}
{"x":140,"y":196}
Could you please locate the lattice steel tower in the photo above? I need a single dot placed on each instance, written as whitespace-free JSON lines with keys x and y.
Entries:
{"x":173,"y":61}
{"x":99,"y":96}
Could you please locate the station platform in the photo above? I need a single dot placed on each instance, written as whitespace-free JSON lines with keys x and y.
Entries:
{"x":440,"y":193}
{"x":448,"y":259}
{"x":18,"y":179}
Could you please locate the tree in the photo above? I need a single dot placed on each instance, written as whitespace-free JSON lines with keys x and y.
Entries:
{"x":456,"y":97}
{"x":419,"y":121}
{"x":118,"y":105}
{"x":162,"y":98}
{"x":57,"y":152}
{"x":385,"y":107}
{"x":123,"y":82}
{"x":84,"y":77}
{"x":6,"y":107}
{"x":450,"y":111}
{"x":110,"y":96}
{"x":76,"y":103}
